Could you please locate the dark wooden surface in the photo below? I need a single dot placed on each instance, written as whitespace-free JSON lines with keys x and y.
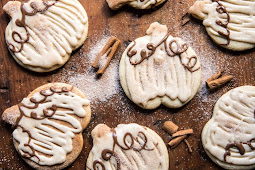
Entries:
{"x":128,"y":24}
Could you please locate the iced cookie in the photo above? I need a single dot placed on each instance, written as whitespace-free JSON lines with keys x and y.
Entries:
{"x":42,"y":34}
{"x":159,"y":68}
{"x":139,"y":4}
{"x":231,"y":24}
{"x":128,"y":146}
{"x":48,"y":125}
{"x":229,"y":136}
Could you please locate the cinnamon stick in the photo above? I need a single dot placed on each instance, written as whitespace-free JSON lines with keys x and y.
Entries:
{"x":183,"y":132}
{"x":185,"y":19}
{"x":219,"y":82}
{"x":177,"y":136}
{"x":108,"y":51}
{"x":188,"y":145}
{"x":176,"y":141}
{"x":170,"y":127}
{"x":215,"y":76}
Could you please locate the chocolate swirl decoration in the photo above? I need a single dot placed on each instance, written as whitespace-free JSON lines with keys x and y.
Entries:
{"x":22,"y":23}
{"x":107,"y":154}
{"x":97,"y":162}
{"x":250,"y":145}
{"x":180,"y":48}
{"x":222,"y":10}
{"x":49,"y":112}
{"x":33,"y":115}
{"x":156,"y":1}
{"x":239,"y":146}
{"x":27,"y":154}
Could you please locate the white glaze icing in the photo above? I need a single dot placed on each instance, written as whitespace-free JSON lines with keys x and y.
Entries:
{"x":144,"y":4}
{"x":160,"y":75}
{"x":154,"y":156}
{"x":139,"y":4}
{"x":233,"y":120}
{"x":54,"y":34}
{"x":242,"y":18}
{"x":50,"y":137}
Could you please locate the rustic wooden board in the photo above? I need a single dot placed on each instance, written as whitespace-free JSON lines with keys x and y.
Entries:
{"x":128,"y":24}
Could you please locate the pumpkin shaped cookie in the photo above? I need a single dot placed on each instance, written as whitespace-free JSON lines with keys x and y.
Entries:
{"x":159,"y":69}
{"x":229,"y":137}
{"x":42,"y":34}
{"x":128,"y":146}
{"x":48,"y":125}
{"x":230,"y":24}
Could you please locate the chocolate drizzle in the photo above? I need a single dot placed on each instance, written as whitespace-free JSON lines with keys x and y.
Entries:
{"x":107,"y":154}
{"x":22,"y":23}
{"x":180,"y":48}
{"x":156,"y":1}
{"x":27,"y":154}
{"x":97,"y":162}
{"x":222,"y":10}
{"x":250,"y":145}
{"x":47,"y":113}
{"x":239,"y":146}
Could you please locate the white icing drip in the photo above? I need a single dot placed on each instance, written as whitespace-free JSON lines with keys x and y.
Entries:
{"x":139,"y":4}
{"x":143,"y":5}
{"x":48,"y":136}
{"x":160,"y":75}
{"x":242,"y":19}
{"x":153,"y":158}
{"x":233,"y":121}
{"x":67,"y":100}
{"x":53,"y":34}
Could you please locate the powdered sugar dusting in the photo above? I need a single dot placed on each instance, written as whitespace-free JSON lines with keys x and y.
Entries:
{"x":95,"y":50}
{"x":96,"y":88}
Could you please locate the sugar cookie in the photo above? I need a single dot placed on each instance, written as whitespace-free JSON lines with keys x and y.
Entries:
{"x":231,"y":24}
{"x":128,"y":146}
{"x":48,"y":124}
{"x":229,"y":137}
{"x":42,"y":34}
{"x":159,"y":68}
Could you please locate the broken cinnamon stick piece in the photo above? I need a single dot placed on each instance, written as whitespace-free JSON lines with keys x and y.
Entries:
{"x":106,"y":55}
{"x":103,"y":51}
{"x":215,"y":76}
{"x":183,"y":132}
{"x":170,"y":127}
{"x":219,"y":82}
{"x":185,"y":19}
{"x":188,"y":145}
{"x":176,"y":141}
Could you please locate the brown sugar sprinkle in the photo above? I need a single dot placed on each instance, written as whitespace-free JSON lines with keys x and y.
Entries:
{"x":104,"y":57}
{"x":177,"y":136}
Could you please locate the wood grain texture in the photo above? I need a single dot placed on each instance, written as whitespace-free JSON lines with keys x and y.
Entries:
{"x":128,"y":24}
